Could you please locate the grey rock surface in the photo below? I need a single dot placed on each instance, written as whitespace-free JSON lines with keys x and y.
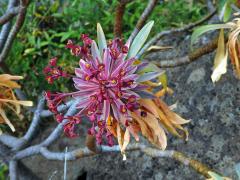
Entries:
{"x":214,"y":110}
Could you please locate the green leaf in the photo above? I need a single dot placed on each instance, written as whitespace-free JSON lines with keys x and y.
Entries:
{"x":149,"y":68}
{"x":226,"y":10}
{"x":44,"y":43}
{"x":201,"y":30}
{"x":163,"y":79}
{"x":102,"y":43}
{"x":28,"y":51}
{"x":140,"y":39}
{"x":65,"y":36}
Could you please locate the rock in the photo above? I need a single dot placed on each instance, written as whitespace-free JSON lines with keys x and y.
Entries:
{"x":196,"y":75}
{"x":158,"y":176}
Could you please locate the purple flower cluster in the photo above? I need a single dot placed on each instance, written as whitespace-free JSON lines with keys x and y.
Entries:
{"x":105,"y":85}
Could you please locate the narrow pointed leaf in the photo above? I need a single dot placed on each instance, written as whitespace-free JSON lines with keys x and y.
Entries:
{"x":146,"y":94}
{"x":6,"y":77}
{"x":140,"y":39}
{"x":149,"y":76}
{"x":226,"y":10}
{"x":102,"y":43}
{"x":172,"y":116}
{"x":220,"y":61}
{"x":24,"y":103}
{"x":147,"y":67}
{"x":119,"y":136}
{"x":152,"y":122}
{"x":126,"y":139}
{"x":203,"y":29}
{"x":7,"y":121}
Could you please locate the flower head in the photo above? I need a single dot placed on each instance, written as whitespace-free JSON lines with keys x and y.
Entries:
{"x":111,"y":86}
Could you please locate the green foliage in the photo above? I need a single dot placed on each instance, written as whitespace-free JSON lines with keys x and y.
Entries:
{"x":203,"y":29}
{"x":50,"y":23}
{"x":3,"y":171}
{"x":225,"y":9}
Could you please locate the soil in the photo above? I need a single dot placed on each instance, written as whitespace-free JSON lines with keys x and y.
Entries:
{"x":214,"y":128}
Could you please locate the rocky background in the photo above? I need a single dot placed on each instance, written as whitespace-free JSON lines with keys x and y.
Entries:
{"x":214,"y":110}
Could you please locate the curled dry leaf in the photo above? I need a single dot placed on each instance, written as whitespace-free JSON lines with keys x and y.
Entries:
{"x":158,"y":48}
{"x":8,"y":101}
{"x":167,"y":118}
{"x":220,"y":61}
{"x":152,"y":130}
{"x":234,"y":46}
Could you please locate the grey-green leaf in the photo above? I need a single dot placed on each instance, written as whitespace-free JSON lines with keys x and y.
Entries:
{"x":201,"y":30}
{"x":146,"y":95}
{"x":102,"y":43}
{"x":140,"y":39}
{"x":149,"y":76}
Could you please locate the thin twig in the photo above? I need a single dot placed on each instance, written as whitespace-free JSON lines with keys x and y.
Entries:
{"x":4,"y":34}
{"x":14,"y":31}
{"x":65,"y":165}
{"x":157,"y":37}
{"x":61,"y":108}
{"x":19,"y":143}
{"x":192,"y":56}
{"x":9,"y":15}
{"x":36,"y":120}
{"x":9,"y":140}
{"x":7,"y":27}
{"x":69,"y":156}
{"x":13,"y":170}
{"x":50,"y":139}
{"x":142,"y":19}
{"x":59,"y":129}
{"x":32,"y":128}
{"x":152,"y":152}
{"x":5,"y":153}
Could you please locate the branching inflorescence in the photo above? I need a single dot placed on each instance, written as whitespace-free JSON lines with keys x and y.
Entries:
{"x":115,"y":92}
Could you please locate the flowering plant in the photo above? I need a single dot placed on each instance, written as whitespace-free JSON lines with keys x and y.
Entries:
{"x":8,"y":100}
{"x":115,"y":92}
